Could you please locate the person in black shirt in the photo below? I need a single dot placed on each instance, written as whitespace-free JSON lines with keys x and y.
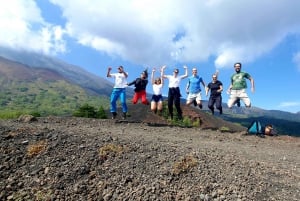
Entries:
{"x":216,"y":88}
{"x":140,"y":85}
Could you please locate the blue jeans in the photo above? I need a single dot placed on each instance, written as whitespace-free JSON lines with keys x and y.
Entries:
{"x":116,"y":93}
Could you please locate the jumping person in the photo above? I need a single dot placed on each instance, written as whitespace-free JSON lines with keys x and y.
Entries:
{"x":157,"y":99}
{"x":174,"y":90}
{"x":215,"y":87}
{"x":193,"y":89}
{"x":238,"y":86}
{"x":140,"y":88}
{"x":119,"y":91}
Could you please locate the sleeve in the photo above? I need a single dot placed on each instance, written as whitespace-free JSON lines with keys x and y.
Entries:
{"x":247,"y":75}
{"x":131,"y":83}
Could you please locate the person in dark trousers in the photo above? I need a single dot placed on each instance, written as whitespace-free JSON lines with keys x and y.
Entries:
{"x":140,"y":85}
{"x":215,"y":87}
{"x":174,"y":90}
{"x":119,"y":91}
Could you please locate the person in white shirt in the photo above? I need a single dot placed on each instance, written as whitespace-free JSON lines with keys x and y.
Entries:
{"x":119,"y":91}
{"x":157,"y":99}
{"x":174,"y":90}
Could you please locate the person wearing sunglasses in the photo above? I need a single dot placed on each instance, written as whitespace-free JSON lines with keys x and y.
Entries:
{"x":174,"y":90}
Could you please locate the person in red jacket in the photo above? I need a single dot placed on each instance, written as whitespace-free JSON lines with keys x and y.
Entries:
{"x":140,"y":85}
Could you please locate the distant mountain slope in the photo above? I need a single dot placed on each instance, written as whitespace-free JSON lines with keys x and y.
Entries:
{"x":75,"y":74}
{"x":24,"y":89}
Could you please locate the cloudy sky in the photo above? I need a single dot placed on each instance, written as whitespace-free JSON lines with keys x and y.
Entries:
{"x":207,"y":34}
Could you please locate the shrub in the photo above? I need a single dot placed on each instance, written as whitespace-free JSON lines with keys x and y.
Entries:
{"x":86,"y":111}
{"x":101,"y":114}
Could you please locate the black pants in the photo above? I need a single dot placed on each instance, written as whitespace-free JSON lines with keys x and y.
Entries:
{"x":174,"y":97}
{"x":215,"y":100}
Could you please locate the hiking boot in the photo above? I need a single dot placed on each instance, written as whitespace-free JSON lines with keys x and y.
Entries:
{"x":124,"y":115}
{"x":221,"y":111}
{"x":114,"y":115}
{"x":238,"y":102}
{"x":200,"y":106}
{"x":180,"y":117}
{"x":212,"y":111}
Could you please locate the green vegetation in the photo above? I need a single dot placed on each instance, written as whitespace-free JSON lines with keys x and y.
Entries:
{"x":90,"y":112}
{"x":44,"y":98}
{"x":185,"y":122}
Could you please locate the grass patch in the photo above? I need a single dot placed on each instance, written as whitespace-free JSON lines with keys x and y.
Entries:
{"x":36,"y":148}
{"x":185,"y":164}
{"x":110,"y":149}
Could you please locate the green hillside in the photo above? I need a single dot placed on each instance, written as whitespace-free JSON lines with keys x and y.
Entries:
{"x":44,"y":98}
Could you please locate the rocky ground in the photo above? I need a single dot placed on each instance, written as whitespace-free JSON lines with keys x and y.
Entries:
{"x":64,"y":158}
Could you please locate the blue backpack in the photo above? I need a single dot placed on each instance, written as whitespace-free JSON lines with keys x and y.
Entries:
{"x":255,"y":128}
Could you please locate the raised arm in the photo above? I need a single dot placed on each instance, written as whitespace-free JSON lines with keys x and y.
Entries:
{"x":152,"y":76}
{"x":186,"y":72}
{"x":163,"y":72}
{"x":108,"y":72}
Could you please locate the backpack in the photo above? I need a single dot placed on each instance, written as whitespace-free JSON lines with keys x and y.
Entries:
{"x":255,"y":128}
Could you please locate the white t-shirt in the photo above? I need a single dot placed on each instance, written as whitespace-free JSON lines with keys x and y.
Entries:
{"x":174,"y":81}
{"x":120,"y":80}
{"x":157,"y":89}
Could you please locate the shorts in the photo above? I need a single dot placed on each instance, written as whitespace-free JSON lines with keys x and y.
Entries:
{"x":238,"y":94}
{"x":194,"y":96}
{"x":157,"y":98}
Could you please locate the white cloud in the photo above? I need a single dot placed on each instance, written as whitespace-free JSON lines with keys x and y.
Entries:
{"x":157,"y":32}
{"x":23,"y":27}
{"x":289,"y":104}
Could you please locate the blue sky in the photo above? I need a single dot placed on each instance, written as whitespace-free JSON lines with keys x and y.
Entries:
{"x":206,"y":34}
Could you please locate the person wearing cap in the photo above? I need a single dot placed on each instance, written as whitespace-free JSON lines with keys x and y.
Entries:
{"x":174,"y":90}
{"x":193,"y":89}
{"x":119,"y":91}
{"x":215,"y":87}
{"x":238,"y":86}
{"x":140,"y":85}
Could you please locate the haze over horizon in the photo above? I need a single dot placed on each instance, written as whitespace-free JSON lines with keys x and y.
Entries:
{"x":208,"y":34}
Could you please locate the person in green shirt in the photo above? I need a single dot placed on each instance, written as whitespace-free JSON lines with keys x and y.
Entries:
{"x":238,"y":86}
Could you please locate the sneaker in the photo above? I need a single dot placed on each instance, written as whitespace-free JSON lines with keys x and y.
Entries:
{"x":238,"y":102}
{"x":200,"y":106}
{"x":124,"y":115}
{"x":114,"y":115}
